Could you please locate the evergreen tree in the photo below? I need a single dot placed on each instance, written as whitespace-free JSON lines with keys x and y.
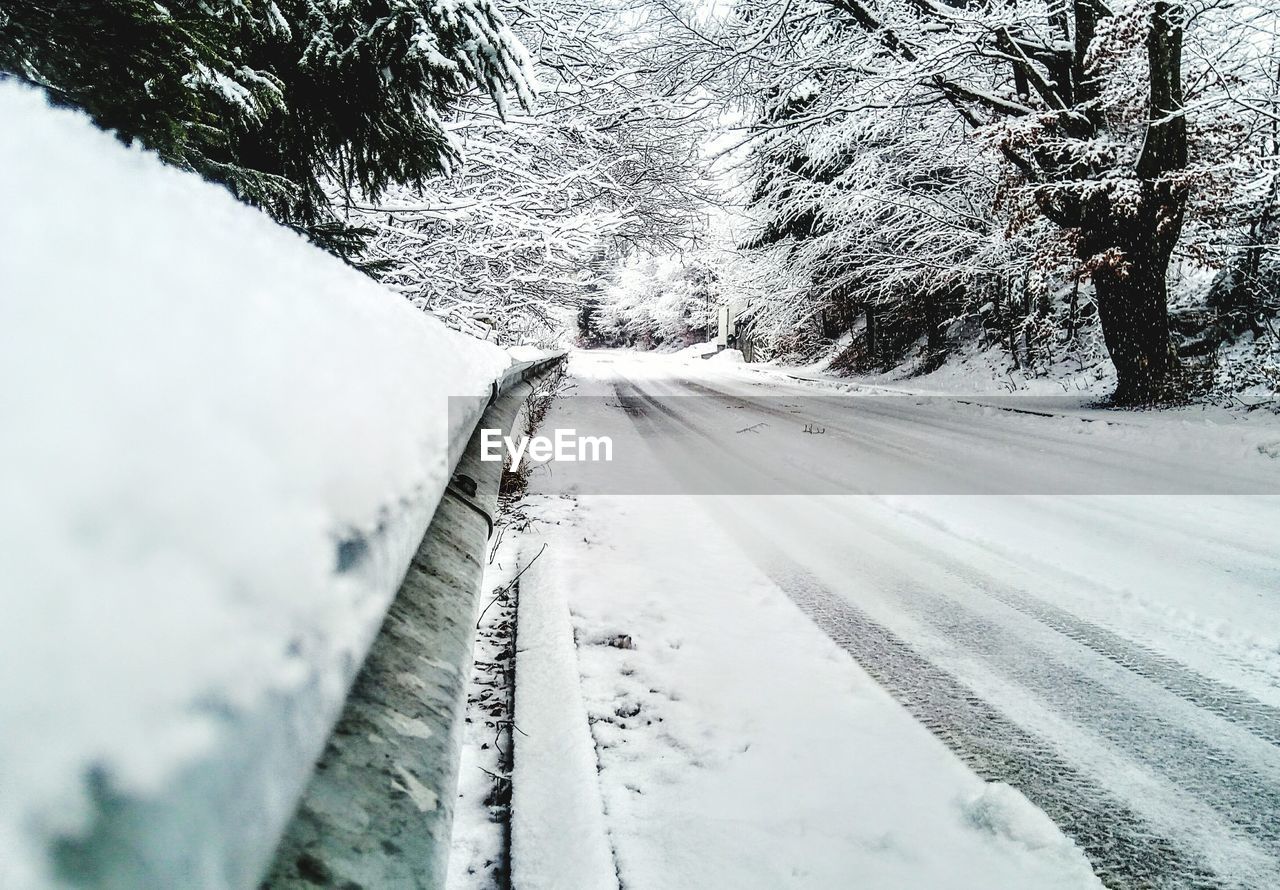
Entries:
{"x":280,"y":101}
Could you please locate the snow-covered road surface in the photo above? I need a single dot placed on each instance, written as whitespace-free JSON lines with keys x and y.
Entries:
{"x":1115,"y":658}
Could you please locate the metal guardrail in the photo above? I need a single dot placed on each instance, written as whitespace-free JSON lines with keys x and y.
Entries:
{"x":376,"y":810}
{"x":379,"y":808}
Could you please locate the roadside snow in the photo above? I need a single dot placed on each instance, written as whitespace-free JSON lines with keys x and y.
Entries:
{"x":728,"y":357}
{"x":558,"y":835}
{"x":736,"y":744}
{"x":695,"y":352}
{"x":208,"y":423}
{"x":481,"y":816}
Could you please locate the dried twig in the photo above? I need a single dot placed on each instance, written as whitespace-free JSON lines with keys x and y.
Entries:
{"x":502,"y":591}
{"x":495,"y":775}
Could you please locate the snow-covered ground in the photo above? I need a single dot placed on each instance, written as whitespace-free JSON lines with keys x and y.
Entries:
{"x":737,"y":746}
{"x":975,"y":370}
{"x":478,"y":855}
{"x":221,"y":447}
{"x":790,"y":690}
{"x":1242,"y":376}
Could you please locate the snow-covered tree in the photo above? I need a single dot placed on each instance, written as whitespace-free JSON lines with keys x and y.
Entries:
{"x":606,"y":163}
{"x":661,"y":301}
{"x":281,"y":100}
{"x":906,"y":149}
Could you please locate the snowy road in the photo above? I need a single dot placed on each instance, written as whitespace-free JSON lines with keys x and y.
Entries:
{"x":1113,"y":656}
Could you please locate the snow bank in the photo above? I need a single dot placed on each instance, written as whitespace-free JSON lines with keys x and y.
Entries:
{"x":558,"y":835}
{"x":221,"y":446}
{"x":728,"y":357}
{"x":695,"y":351}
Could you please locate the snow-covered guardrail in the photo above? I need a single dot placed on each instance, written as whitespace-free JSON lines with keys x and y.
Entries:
{"x":221,"y":449}
{"x":379,"y":810}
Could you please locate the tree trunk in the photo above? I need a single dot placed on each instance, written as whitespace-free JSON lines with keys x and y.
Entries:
{"x":933,"y":327}
{"x":1073,"y":310}
{"x":1132,"y":293}
{"x":1135,"y":323}
{"x":1131,"y":243}
{"x":872,"y":345}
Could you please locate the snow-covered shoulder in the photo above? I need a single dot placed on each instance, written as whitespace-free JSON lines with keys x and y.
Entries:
{"x":220,"y":447}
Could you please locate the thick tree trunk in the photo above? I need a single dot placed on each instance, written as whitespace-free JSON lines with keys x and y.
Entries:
{"x":1133,"y":308}
{"x":1130,"y":242}
{"x":1128,"y":248}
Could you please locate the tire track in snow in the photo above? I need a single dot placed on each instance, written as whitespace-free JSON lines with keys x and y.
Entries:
{"x":1229,"y":785}
{"x":1228,"y":702}
{"x":1239,"y":781}
{"x":1124,"y":848}
{"x":1232,"y":704}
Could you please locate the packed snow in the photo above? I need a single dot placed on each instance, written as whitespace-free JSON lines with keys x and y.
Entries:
{"x":923,"y":690}
{"x":738,"y":747}
{"x":221,"y":447}
{"x":558,"y":834}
